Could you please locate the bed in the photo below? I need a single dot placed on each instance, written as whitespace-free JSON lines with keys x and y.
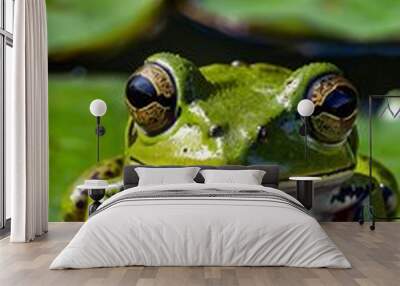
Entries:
{"x":199,"y":224}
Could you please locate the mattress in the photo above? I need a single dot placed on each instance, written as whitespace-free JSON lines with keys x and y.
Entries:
{"x":201,"y":225}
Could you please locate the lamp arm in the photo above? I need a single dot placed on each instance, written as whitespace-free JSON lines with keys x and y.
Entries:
{"x":100,"y":131}
{"x":305,"y":138}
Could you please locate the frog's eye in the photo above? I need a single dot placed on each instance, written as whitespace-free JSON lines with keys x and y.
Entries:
{"x":335,"y":101}
{"x":151,"y":98}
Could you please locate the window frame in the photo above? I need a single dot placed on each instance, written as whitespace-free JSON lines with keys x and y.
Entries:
{"x":6,"y":39}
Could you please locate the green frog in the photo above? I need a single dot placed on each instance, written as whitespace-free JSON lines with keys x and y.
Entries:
{"x":240,"y":113}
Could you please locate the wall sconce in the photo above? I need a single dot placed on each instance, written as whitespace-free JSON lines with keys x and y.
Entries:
{"x":98,"y":108}
{"x":305,"y":108}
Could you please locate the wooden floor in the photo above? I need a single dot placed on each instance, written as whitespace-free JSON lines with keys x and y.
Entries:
{"x":375,"y":257}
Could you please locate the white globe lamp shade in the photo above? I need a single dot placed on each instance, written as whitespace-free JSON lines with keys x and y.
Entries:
{"x":305,"y":107}
{"x":98,"y":107}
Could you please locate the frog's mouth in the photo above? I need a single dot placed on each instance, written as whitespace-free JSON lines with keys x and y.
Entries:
{"x":329,"y":181}
{"x":328,"y":196}
{"x":135,"y":161}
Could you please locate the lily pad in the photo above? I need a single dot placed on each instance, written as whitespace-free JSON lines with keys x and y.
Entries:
{"x":79,"y":26}
{"x":347,"y":20}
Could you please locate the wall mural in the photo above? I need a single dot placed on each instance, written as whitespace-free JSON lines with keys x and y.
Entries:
{"x":197,"y":106}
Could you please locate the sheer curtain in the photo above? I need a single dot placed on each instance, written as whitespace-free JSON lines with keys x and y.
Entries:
{"x":27,"y":124}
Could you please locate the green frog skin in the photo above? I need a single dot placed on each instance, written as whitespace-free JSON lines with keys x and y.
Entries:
{"x":246,"y":114}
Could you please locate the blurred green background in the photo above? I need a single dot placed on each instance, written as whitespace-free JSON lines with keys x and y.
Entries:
{"x":72,"y":129}
{"x":385,"y":141}
{"x":95,"y":46}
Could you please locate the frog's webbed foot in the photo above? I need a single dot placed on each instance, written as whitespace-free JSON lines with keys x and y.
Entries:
{"x":383,"y":193}
{"x":75,"y":207}
{"x":353,"y":193}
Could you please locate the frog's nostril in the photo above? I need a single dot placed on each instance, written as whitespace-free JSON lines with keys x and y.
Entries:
{"x":335,"y":101}
{"x":216,"y":131}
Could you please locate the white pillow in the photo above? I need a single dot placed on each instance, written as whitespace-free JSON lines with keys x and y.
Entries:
{"x":165,"y":176}
{"x":248,"y":177}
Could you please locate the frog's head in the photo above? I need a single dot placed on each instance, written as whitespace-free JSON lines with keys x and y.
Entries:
{"x":239,"y":114}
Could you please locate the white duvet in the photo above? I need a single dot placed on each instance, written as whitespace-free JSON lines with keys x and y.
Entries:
{"x":183,"y":231}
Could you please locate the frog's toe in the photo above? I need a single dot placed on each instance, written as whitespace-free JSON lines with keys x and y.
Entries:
{"x":80,"y":204}
{"x":79,"y":198}
{"x":354,"y":192}
{"x":350,"y":198}
{"x":389,"y":198}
